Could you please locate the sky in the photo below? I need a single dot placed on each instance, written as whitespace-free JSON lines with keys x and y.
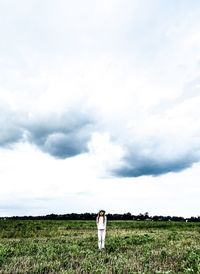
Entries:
{"x":99,"y":107}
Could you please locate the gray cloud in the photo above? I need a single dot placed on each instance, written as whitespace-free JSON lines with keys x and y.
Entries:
{"x":135,"y":166}
{"x":171,"y":143}
{"x":157,"y":157}
{"x":10,"y":132}
{"x":61,"y":135}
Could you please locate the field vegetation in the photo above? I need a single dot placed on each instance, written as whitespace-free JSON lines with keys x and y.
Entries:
{"x":32,"y":246}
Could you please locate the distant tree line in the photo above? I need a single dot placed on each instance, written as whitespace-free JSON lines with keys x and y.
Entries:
{"x":92,"y":216}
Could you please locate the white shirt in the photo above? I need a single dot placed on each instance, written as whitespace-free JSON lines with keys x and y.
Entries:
{"x":101,"y":224}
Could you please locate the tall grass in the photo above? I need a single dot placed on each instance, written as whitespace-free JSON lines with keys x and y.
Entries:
{"x":71,"y":247}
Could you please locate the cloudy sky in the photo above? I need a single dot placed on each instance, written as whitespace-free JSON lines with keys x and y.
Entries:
{"x":99,"y":106}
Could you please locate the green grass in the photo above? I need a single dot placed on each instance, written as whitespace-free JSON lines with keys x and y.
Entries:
{"x":71,"y":247}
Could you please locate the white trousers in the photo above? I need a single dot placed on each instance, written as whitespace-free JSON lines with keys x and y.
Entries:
{"x":101,"y":238}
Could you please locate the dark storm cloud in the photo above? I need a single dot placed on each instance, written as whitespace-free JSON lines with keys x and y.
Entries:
{"x":140,"y":165}
{"x":61,"y":135}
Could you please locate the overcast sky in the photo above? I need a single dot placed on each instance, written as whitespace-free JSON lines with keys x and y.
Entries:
{"x":99,"y":106}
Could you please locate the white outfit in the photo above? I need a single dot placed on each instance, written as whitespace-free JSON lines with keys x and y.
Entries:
{"x":101,"y":226}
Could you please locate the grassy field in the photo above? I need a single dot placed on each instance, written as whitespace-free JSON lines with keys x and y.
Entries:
{"x":71,"y":247}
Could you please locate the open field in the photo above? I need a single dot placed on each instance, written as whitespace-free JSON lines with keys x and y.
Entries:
{"x":71,"y":247}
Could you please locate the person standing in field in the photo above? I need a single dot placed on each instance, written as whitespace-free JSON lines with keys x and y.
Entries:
{"x":101,"y":221}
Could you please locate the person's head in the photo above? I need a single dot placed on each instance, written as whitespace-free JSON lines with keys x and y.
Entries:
{"x":101,"y":213}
